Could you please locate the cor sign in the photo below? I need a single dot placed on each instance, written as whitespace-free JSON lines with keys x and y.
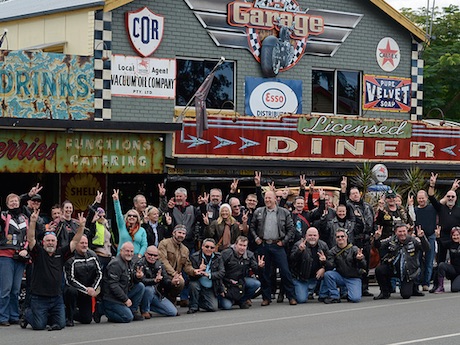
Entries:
{"x":273,"y":97}
{"x":145,"y":30}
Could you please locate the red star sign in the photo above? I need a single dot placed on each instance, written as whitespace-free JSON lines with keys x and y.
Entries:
{"x":388,"y":54}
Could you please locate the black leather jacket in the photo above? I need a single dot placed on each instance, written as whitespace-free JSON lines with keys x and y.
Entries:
{"x":410,"y":248}
{"x":285,"y":224}
{"x":82,"y":271}
{"x":345,"y":262}
{"x":119,"y":278}
{"x":237,"y":267}
{"x":301,"y":261}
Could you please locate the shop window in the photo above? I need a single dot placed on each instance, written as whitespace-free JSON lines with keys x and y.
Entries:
{"x":336,"y":92}
{"x":191,"y":74}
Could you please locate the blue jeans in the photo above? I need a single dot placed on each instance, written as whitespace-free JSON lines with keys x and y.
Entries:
{"x":303,"y":288}
{"x":333,"y":279}
{"x":276,"y":255}
{"x":45,"y":311}
{"x":250,"y":287}
{"x":428,"y":262}
{"x":11,"y":272}
{"x":152,"y":302}
{"x":201,"y":297}
{"x":119,"y":312}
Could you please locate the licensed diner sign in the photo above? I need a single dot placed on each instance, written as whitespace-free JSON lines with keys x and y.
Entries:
{"x":320,"y":138}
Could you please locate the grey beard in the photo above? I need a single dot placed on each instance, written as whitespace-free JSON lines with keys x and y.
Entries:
{"x":50,"y":249}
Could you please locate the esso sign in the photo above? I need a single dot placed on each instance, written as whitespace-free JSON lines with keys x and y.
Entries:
{"x":272,"y":99}
{"x":145,"y":30}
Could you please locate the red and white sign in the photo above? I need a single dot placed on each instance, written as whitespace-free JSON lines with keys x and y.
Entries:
{"x":321,"y":138}
{"x":145,"y":30}
{"x":388,"y":54}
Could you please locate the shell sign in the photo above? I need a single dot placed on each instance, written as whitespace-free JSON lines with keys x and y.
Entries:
{"x":81,"y":189}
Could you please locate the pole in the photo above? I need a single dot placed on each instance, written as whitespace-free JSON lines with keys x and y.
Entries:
{"x":181,"y":116}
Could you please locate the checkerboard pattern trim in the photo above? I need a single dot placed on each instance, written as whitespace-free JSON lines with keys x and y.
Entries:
{"x":417,"y":81}
{"x":102,"y":65}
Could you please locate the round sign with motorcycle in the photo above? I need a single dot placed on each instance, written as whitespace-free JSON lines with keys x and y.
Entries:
{"x":279,"y":40}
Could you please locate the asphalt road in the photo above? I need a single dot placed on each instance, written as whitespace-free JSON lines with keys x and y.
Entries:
{"x":432,"y":319}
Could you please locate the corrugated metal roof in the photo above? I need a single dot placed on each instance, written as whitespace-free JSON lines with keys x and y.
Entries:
{"x":21,"y":9}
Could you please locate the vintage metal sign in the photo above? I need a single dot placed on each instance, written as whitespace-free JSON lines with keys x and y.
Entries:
{"x":58,"y":152}
{"x":133,"y":76}
{"x":273,"y":97}
{"x":386,"y":93}
{"x":46,"y":85}
{"x":245,"y":24}
{"x":388,"y":54}
{"x":323,"y":138}
{"x":145,"y":30}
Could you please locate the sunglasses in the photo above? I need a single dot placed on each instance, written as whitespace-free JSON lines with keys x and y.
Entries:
{"x":150,"y":254}
{"x":450,"y":196}
{"x":132,"y":215}
{"x":209,"y":247}
{"x":340,"y":236}
{"x":50,"y":233}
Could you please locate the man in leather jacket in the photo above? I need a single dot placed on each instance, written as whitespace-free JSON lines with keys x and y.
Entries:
{"x":344,"y":267}
{"x":305,"y":265}
{"x":401,"y":260}
{"x":206,"y":284}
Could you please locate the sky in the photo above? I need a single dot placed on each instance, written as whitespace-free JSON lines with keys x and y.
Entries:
{"x":416,"y":4}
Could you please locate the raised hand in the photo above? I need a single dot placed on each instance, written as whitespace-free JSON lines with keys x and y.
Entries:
{"x":437,"y":231}
{"x":81,"y":219}
{"x":98,"y":197}
{"x":311,"y":186}
{"x":161,"y":189}
{"x":34,"y":215}
{"x":321,"y":256}
{"x":344,"y":184}
{"x":433,"y":179}
{"x":205,"y":218}
{"x":378,"y":232}
{"x":245,"y":218}
{"x":303,"y":181}
{"x":420,"y":232}
{"x":261,"y":261}
{"x":168,"y":218}
{"x":322,"y":194}
{"x":35,"y":189}
{"x":202,"y":265}
{"x":271,"y":186}
{"x":115,"y":194}
{"x":159,"y":276}
{"x":234,"y":186}
{"x":455,"y":185}
{"x":257,"y":178}
{"x":171,"y":203}
{"x":410,"y":200}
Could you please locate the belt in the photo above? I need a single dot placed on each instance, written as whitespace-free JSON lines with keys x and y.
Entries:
{"x":270,"y":241}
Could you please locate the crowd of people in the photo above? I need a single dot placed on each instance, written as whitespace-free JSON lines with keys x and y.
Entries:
{"x":219,"y":254}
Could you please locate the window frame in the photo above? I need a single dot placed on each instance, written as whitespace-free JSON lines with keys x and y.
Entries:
{"x":215,"y":61}
{"x":335,"y":93}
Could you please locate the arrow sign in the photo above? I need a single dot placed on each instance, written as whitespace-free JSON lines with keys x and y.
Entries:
{"x":223,"y":142}
{"x":195,"y":141}
{"x":248,"y":143}
{"x":449,"y":150}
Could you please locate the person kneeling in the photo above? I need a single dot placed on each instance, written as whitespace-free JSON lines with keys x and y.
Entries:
{"x":206,"y":284}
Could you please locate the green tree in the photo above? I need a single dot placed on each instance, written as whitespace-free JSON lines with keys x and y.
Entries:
{"x":442,"y":59}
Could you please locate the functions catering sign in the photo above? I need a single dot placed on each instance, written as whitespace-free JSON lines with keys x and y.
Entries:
{"x":322,"y":139}
{"x":386,"y":93}
{"x":245,"y":24}
{"x":134,"y":76}
{"x":58,"y":152}
{"x":145,"y":30}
